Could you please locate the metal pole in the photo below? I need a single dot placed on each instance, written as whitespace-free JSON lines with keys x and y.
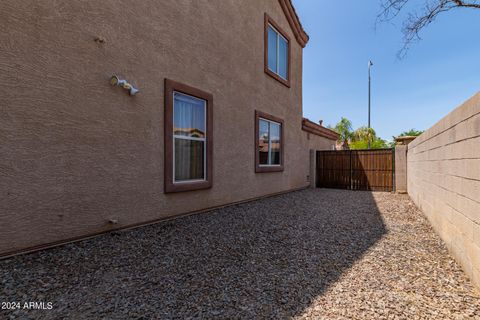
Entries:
{"x":370,"y":64}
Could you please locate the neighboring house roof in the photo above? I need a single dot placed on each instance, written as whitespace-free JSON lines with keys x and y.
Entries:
{"x":342,"y":145}
{"x":312,"y":127}
{"x":405,"y":139}
{"x":294,"y":21}
{"x":192,"y":132}
{"x":264,"y":146}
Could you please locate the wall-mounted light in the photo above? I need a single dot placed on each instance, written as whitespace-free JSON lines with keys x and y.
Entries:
{"x":116,"y":81}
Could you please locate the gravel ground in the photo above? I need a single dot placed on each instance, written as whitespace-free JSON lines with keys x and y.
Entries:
{"x":313,"y":254}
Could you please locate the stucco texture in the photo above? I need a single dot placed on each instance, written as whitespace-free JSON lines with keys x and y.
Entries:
{"x":443,"y":166}
{"x":81,"y":157}
{"x":316,"y":142}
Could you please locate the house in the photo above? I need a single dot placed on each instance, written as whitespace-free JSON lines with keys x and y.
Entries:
{"x":217,"y":119}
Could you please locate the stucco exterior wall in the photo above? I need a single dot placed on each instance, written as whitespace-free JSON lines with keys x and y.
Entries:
{"x":316,"y":142}
{"x":401,"y":168}
{"x":443,"y":167}
{"x":81,"y":157}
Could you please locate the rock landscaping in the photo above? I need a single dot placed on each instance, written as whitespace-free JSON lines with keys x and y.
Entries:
{"x":312,"y":254}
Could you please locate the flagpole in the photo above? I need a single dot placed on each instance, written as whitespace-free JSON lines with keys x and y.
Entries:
{"x":370,"y":64}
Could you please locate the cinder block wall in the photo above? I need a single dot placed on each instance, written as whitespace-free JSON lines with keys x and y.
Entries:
{"x":443,"y":166}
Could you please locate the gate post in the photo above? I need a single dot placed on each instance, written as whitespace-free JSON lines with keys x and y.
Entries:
{"x":351,"y":172}
{"x":313,"y":169}
{"x":401,"y":163}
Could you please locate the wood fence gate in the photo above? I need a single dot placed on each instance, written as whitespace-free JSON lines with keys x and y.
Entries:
{"x":356,"y":169}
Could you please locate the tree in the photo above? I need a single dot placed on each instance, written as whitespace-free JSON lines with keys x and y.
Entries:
{"x":360,"y":139}
{"x":364,"y":133}
{"x":411,"y":132}
{"x":376,"y":143}
{"x":344,"y":129}
{"x":418,"y":20}
{"x":357,"y":139}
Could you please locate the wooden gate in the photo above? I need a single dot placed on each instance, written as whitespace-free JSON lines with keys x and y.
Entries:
{"x":356,"y":169}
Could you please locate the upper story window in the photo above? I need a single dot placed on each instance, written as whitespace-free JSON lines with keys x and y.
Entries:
{"x":269,"y":143}
{"x":277,"y":52}
{"x":188,"y":138}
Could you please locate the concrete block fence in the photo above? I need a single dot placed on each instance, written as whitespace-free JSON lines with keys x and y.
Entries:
{"x":443,"y":179}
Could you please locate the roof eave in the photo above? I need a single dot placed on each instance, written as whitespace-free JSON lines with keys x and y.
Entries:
{"x":300,"y":35}
{"x":318,"y":130}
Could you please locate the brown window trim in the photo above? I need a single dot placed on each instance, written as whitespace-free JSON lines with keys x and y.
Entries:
{"x":258,"y":168}
{"x":269,"y":20}
{"x":169,"y":185}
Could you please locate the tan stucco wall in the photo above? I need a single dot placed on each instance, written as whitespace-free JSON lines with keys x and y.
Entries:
{"x":78,"y":153}
{"x":444,"y":181}
{"x":401,"y":168}
{"x":315,"y":143}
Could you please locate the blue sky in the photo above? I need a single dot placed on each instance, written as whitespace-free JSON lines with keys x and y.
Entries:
{"x":438,"y":74}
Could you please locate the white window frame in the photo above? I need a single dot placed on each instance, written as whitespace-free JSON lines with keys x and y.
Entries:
{"x":204,"y":139}
{"x":277,"y":72}
{"x":270,"y":143}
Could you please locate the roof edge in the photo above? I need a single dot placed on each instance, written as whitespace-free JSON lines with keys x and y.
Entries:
{"x":292,"y":17}
{"x":312,"y":127}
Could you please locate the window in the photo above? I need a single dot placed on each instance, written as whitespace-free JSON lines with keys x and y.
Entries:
{"x":189,"y":142}
{"x":268,"y":143}
{"x":277,"y":52}
{"x":188,"y":138}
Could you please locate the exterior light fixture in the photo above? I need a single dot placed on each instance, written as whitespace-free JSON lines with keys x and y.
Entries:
{"x":116,"y":81}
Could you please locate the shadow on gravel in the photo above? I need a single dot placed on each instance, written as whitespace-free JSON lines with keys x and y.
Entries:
{"x":264,"y":259}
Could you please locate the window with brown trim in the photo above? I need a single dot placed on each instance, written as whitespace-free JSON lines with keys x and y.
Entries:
{"x":268,"y":143}
{"x":188,"y":138}
{"x":277,"y":52}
